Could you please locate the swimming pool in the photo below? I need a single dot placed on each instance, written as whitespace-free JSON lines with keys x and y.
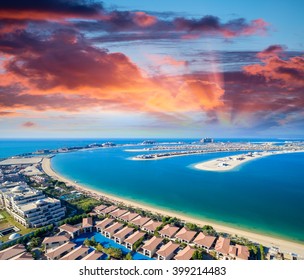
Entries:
{"x":106,"y":242}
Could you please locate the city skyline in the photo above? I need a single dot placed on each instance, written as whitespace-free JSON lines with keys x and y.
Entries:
{"x":173,"y":69}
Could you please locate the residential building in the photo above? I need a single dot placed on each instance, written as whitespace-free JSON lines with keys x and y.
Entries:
{"x":185,"y":254}
{"x":93,"y":256}
{"x":168,"y":231}
{"x":222,"y":246}
{"x":167,"y":251}
{"x":87,"y":224}
{"x":140,"y":221}
{"x":151,"y":246}
{"x":71,"y":230}
{"x":151,"y":226}
{"x":54,"y":241}
{"x":100,"y":226}
{"x":204,"y":241}
{"x":107,"y":210}
{"x":128,"y":217}
{"x":76,"y":254}
{"x":132,"y":239}
{"x":29,"y":206}
{"x":111,"y":230}
{"x":117,"y":213}
{"x":121,"y":235}
{"x":60,"y":251}
{"x":185,"y":235}
{"x":11,"y":252}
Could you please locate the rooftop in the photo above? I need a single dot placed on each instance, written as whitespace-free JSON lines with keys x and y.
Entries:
{"x":52,"y":254}
{"x":152,"y":244}
{"x":167,"y":249}
{"x":140,"y":221}
{"x":111,"y":229}
{"x":185,"y":234}
{"x":56,"y":238}
{"x":123,"y":232}
{"x":169,"y":230}
{"x":104,"y":223}
{"x":135,"y":237}
{"x":76,"y":253}
{"x":11,"y":252}
{"x":204,"y":240}
{"x":222,"y":245}
{"x":68,"y":228}
{"x":129,"y":216}
{"x":109,"y":209}
{"x":94,"y":255}
{"x":87,"y":222}
{"x":185,"y":254}
{"x":118,"y":212}
{"x":152,"y":225}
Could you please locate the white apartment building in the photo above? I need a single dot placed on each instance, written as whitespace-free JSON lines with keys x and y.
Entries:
{"x":29,"y":206}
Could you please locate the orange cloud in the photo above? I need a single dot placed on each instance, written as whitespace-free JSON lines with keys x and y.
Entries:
{"x":143,"y":19}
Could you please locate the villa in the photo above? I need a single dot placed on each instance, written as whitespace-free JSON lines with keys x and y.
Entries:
{"x":107,"y":210}
{"x":151,"y":246}
{"x":239,"y":252}
{"x":93,"y":256}
{"x":168,"y":231}
{"x":185,"y":235}
{"x":132,"y":239}
{"x":151,"y":226}
{"x":128,"y":217}
{"x":167,"y":251}
{"x":77,"y":253}
{"x":26,"y":256}
{"x":60,"y":251}
{"x":102,"y":225}
{"x":121,"y":235}
{"x":185,"y":254}
{"x":99,"y":208}
{"x":11,"y":252}
{"x":204,"y":241}
{"x":87,"y":224}
{"x":111,"y":230}
{"x":222,"y":246}
{"x":140,"y":221}
{"x":117,"y":213}
{"x":54,"y":241}
{"x":71,"y":230}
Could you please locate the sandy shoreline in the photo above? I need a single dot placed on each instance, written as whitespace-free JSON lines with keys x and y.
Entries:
{"x":284,"y":245}
{"x":231,"y":162}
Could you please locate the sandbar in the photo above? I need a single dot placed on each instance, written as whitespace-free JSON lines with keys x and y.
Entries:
{"x":231,"y":162}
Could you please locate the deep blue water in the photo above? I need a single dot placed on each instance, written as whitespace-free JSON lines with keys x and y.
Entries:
{"x":264,"y":195}
{"x":106,"y":242}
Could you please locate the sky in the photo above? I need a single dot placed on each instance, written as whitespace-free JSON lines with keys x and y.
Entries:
{"x":155,"y":69}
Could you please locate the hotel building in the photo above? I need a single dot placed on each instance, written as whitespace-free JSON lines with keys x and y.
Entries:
{"x":29,"y":206}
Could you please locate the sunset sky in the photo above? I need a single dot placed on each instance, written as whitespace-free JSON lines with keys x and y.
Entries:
{"x":82,"y":69}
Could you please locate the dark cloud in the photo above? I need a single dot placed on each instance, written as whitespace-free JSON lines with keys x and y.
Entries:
{"x":65,"y":58}
{"x":15,"y":97}
{"x":72,"y":7}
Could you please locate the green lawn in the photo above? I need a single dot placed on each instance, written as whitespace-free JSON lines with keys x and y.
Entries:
{"x":8,"y":219}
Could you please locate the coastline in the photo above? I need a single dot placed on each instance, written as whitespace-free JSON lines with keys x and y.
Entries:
{"x":231,"y":162}
{"x":268,"y":241}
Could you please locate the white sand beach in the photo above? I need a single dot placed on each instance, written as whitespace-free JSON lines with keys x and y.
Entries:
{"x":231,"y":162}
{"x":284,"y":245}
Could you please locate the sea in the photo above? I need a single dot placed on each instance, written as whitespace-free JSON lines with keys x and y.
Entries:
{"x":264,"y":195}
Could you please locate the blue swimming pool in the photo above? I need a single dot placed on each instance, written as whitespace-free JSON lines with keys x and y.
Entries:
{"x":106,"y":242}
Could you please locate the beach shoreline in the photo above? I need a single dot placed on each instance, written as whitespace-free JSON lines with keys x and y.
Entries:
{"x":231,"y":162}
{"x":285,"y":246}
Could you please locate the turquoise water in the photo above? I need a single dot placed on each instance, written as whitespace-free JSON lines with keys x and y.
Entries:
{"x":106,"y":242}
{"x":265,"y":195}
